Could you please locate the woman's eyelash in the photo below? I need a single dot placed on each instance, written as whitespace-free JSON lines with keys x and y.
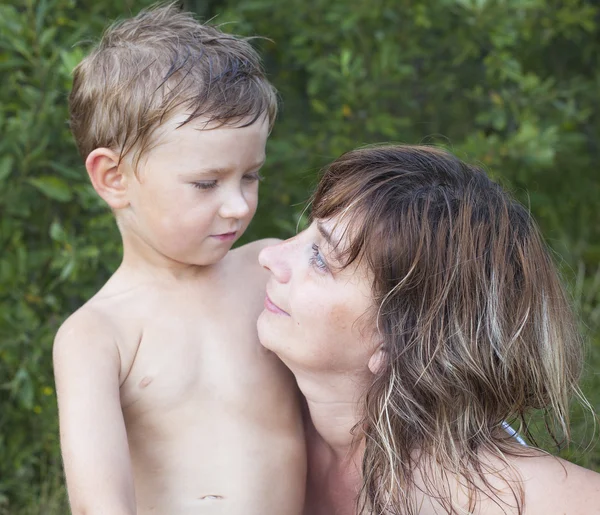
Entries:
{"x":316,"y":259}
{"x":206,"y":185}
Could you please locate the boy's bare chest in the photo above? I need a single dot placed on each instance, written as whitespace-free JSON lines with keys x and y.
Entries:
{"x":202,"y":401}
{"x":197,"y":359}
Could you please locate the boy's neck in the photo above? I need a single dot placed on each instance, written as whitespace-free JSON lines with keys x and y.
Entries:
{"x":144,"y":263}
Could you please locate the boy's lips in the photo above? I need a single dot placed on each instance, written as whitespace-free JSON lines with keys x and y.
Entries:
{"x":272,"y":307}
{"x":224,"y":236}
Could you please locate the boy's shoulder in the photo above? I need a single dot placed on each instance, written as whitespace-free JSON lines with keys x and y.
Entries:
{"x":244,"y":270}
{"x":88,"y":324}
{"x":113,"y":306}
{"x":87,"y":338}
{"x":100,"y":331}
{"x":248,"y":254}
{"x":105,"y":320}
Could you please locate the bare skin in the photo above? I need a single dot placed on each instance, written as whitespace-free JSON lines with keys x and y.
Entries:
{"x":168,"y":404}
{"x":180,"y":384}
{"x":550,"y":485}
{"x":315,"y":322}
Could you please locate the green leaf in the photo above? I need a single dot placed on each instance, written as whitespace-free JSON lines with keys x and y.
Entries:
{"x":67,"y":269}
{"x":52,"y":187}
{"x":345,"y":58}
{"x":57,"y":231}
{"x":5,"y":167}
{"x":319,"y":106}
{"x":71,"y":58}
{"x":69,"y":172}
{"x":23,"y":388}
{"x":47,"y":37}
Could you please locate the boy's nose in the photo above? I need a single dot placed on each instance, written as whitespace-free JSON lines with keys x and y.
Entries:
{"x":273,"y":259}
{"x":235,"y":205}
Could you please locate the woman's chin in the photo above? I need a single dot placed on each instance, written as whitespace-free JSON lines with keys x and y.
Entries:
{"x":274,"y":338}
{"x":265,"y":330}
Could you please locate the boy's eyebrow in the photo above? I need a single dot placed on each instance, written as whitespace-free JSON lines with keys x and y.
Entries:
{"x":259,"y":164}
{"x":226,"y":170}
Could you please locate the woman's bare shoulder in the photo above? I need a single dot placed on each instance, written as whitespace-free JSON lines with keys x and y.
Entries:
{"x":553,"y":485}
{"x":549,"y":484}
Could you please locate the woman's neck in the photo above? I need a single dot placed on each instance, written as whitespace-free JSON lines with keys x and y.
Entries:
{"x":334,"y":480}
{"x":333,"y":402}
{"x":335,"y":443}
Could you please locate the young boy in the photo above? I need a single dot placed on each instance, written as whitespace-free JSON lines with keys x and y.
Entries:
{"x":168,"y":403}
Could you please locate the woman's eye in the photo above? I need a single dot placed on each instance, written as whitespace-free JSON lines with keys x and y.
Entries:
{"x":317,"y":260}
{"x":205,"y":185}
{"x":251,"y":177}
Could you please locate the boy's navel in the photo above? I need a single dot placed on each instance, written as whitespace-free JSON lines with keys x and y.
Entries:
{"x":211,"y":497}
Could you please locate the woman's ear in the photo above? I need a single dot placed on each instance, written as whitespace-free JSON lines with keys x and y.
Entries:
{"x":108,"y":179}
{"x":378,"y":359}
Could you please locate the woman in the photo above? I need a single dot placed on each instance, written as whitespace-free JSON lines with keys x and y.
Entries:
{"x":419,"y":312}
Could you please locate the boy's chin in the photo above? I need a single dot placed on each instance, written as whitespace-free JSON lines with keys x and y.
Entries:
{"x":198,"y":260}
{"x":210,"y":260}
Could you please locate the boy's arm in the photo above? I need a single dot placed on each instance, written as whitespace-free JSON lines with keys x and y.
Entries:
{"x":92,"y":430}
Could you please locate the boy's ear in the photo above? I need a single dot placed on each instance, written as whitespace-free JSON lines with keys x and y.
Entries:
{"x":378,"y":359}
{"x":108,"y":179}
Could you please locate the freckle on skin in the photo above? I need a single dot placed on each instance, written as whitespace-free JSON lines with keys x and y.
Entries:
{"x":339,"y":316}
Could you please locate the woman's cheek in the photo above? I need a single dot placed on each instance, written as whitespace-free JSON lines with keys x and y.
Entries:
{"x":315,"y":311}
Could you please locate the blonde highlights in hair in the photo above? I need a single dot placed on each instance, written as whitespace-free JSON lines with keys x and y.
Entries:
{"x":159,"y":63}
{"x":475,"y":323}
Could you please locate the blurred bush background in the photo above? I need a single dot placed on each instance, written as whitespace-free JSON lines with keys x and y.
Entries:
{"x":511,"y":84}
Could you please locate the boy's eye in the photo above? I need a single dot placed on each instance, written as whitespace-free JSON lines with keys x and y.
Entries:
{"x":205,"y":185}
{"x":317,"y":260}
{"x":251,"y":177}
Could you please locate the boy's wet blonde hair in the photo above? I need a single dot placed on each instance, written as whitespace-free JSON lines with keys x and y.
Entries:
{"x":474,"y":320}
{"x":159,"y":63}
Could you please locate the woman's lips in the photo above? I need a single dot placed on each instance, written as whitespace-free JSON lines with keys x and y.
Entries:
{"x":273,"y":308}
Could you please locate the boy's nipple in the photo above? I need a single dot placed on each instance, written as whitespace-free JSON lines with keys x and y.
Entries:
{"x":146,"y":380}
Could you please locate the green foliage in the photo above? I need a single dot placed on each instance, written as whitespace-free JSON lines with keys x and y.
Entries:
{"x":511,"y":84}
{"x":51,"y":231}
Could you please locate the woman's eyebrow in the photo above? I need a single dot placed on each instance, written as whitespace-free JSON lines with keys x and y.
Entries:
{"x":334,"y":253}
{"x":326,"y":235}
{"x":332,"y":242}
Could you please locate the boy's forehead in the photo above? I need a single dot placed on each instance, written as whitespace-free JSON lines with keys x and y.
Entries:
{"x":219,"y":146}
{"x":171,"y":128}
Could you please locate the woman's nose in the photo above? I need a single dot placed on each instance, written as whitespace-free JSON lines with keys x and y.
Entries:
{"x":274,"y":259}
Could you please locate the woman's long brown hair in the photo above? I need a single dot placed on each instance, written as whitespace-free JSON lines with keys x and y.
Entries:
{"x":476,"y":326}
